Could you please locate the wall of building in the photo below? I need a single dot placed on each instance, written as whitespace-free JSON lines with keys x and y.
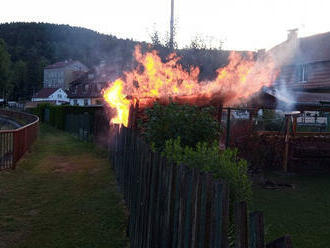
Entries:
{"x":61,"y":77}
{"x":54,"y":78}
{"x":80,"y":101}
{"x":317,"y":76}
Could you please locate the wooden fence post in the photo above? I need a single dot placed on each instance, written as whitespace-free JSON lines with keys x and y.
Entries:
{"x":241,"y":228}
{"x":257,"y":230}
{"x":220,"y":215}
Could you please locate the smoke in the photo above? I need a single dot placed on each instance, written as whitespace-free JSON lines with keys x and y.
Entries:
{"x":284,"y":56}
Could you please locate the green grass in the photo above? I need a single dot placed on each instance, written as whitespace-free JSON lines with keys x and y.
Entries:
{"x":62,"y":194}
{"x":303,"y":212}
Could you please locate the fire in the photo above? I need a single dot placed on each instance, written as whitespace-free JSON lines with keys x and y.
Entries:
{"x":116,"y":99}
{"x":154,"y":79}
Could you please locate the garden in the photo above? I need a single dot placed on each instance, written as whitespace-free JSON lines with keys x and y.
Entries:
{"x":292,"y":203}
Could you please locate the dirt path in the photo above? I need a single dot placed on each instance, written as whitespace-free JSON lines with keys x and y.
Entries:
{"x":63,"y":194}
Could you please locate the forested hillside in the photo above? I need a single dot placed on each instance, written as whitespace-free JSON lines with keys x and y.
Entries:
{"x":32,"y":46}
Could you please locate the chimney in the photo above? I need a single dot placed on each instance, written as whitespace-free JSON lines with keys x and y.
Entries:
{"x":292,"y":34}
{"x":261,"y":53}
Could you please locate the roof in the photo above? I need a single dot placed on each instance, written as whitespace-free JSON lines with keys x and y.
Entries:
{"x":314,"y":48}
{"x":304,"y":50}
{"x":99,"y":74}
{"x":45,"y":92}
{"x":86,"y":90}
{"x":60,"y":64}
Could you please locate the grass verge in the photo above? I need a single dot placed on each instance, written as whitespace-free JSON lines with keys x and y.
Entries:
{"x":62,"y":194}
{"x":303,"y":212}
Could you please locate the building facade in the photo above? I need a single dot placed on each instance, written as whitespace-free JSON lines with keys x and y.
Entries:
{"x":304,"y":67}
{"x":61,"y":74}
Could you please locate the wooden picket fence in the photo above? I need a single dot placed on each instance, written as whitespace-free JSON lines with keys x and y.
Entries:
{"x":175,"y":206}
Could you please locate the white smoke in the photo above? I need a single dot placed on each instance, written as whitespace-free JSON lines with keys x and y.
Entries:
{"x":284,"y":55}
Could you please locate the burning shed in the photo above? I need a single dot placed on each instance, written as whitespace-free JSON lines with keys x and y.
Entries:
{"x":155,"y":80}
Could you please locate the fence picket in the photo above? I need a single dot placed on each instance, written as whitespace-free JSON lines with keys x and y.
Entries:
{"x":257,"y":230}
{"x":241,"y":225}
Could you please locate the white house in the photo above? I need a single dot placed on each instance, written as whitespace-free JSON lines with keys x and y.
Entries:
{"x":52,"y":95}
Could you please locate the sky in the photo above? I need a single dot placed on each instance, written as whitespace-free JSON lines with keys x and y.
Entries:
{"x":239,"y":24}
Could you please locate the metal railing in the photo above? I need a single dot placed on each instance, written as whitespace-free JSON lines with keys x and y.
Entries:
{"x":14,"y":143}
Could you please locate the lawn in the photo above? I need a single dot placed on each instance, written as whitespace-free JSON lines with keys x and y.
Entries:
{"x":303,"y":212}
{"x":62,"y":194}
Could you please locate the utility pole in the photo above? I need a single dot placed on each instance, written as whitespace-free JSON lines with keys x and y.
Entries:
{"x":172,"y":25}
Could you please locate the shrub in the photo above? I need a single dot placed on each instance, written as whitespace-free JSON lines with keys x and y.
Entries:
{"x":271,"y":121}
{"x":225,"y":164}
{"x":191,"y":123}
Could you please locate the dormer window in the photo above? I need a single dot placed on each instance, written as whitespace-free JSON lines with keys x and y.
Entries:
{"x":301,"y":71}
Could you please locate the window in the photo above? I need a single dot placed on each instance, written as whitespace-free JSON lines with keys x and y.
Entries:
{"x":75,"y":102}
{"x":59,"y":96}
{"x":301,"y":71}
{"x":85,"y":102}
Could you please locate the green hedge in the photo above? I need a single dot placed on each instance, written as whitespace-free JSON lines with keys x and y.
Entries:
{"x":57,"y":114}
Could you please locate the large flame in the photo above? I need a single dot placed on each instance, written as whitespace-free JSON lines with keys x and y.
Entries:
{"x":116,"y":99}
{"x":153,"y":79}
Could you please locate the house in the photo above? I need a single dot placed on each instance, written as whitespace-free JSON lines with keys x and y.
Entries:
{"x":61,"y":74}
{"x":86,"y":94}
{"x":51,"y":95}
{"x":304,"y":68}
{"x":87,"y":89}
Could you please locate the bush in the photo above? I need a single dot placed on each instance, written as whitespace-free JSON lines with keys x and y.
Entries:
{"x":271,"y":121}
{"x":225,"y":164}
{"x":58,"y":114}
{"x":190,"y":123}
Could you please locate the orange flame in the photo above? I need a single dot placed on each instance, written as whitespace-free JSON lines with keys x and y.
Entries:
{"x":116,"y":99}
{"x":154,"y":79}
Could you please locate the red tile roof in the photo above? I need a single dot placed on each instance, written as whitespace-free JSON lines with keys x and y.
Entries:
{"x":45,"y":92}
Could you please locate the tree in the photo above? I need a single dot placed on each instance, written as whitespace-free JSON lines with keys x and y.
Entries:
{"x":5,"y":62}
{"x":19,"y":80}
{"x":155,"y":39}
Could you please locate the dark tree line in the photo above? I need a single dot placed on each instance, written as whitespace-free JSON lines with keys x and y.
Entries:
{"x":32,"y":46}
